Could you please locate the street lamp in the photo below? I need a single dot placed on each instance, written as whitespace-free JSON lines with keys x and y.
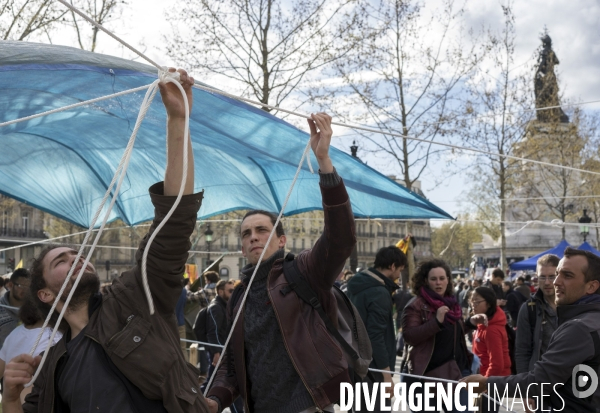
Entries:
{"x":584,"y":229}
{"x":208,"y":236}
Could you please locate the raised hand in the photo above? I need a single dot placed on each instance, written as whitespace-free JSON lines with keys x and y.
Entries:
{"x":441,"y":313}
{"x":320,"y":140}
{"x":171,"y":95}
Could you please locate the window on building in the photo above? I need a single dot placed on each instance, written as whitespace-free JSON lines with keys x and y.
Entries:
{"x":224,"y":273}
{"x":25,"y":220}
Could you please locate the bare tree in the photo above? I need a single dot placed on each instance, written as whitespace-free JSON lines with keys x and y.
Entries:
{"x":404,"y":78}
{"x":266,"y":47}
{"x":102,"y":12}
{"x":20,"y":19}
{"x":499,"y":100}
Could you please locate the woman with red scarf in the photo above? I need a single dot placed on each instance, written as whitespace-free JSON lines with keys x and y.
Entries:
{"x":433,"y":327}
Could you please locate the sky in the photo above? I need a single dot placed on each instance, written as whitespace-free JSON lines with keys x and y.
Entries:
{"x":573,"y":26}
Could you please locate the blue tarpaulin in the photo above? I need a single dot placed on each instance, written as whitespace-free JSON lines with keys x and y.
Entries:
{"x":531,"y":263}
{"x":245,"y":158}
{"x":587,"y":247}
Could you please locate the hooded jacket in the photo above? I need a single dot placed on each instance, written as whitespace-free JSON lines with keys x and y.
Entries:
{"x":490,"y":344}
{"x":371,"y":293}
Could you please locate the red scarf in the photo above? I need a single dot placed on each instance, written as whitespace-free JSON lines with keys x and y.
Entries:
{"x":436,"y":301}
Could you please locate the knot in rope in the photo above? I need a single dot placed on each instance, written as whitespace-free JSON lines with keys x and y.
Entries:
{"x":557,"y":223}
{"x":164,"y":75}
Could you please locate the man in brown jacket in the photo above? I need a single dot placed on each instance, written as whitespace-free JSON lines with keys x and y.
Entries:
{"x":115,"y":356}
{"x":281,"y":357}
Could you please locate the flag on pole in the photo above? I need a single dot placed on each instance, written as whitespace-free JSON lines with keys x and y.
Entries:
{"x":403,"y":244}
{"x":19,"y":265}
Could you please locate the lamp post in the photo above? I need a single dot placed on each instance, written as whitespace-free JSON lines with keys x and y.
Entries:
{"x":208,"y":234}
{"x":584,"y":229}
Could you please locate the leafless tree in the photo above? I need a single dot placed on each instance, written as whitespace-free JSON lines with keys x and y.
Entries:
{"x":20,"y":19}
{"x":404,"y":78}
{"x":266,"y":47}
{"x":499,"y":100}
{"x":102,"y":12}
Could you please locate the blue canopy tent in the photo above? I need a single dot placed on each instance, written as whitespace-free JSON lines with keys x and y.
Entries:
{"x":245,"y":157}
{"x":531,"y":263}
{"x":587,"y":247}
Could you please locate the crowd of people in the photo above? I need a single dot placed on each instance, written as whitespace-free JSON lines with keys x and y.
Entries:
{"x":288,"y":351}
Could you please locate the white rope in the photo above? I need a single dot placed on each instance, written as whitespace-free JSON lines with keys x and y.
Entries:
{"x":201,"y":342}
{"x":120,"y":175}
{"x":118,"y":39}
{"x":186,"y":138}
{"x":434,"y":379}
{"x":75,"y":105}
{"x":10,"y":307}
{"x":243,"y":302}
{"x":397,"y":135}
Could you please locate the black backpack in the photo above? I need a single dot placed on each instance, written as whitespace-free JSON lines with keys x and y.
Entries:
{"x":200,"y":325}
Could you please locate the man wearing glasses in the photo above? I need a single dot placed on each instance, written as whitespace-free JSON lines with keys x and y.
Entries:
{"x":537,"y":317}
{"x":17,"y":287}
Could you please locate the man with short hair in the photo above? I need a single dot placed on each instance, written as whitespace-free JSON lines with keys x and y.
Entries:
{"x":495,"y":283}
{"x":216,"y":323}
{"x":575,"y":342}
{"x":18,"y":288}
{"x":281,"y":357}
{"x":115,"y":356}
{"x":537,"y":318}
{"x":371,"y":293}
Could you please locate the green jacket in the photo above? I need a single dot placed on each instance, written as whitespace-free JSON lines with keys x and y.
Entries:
{"x":371,"y":293}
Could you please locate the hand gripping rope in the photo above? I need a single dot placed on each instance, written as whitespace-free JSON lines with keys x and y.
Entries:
{"x":165,"y":77}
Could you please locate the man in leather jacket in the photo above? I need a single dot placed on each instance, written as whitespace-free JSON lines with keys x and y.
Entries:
{"x":281,"y":357}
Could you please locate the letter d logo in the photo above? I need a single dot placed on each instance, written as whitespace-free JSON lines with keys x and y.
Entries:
{"x":584,"y":377}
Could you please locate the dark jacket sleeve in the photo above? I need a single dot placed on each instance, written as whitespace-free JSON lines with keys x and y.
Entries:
{"x":322,"y":264}
{"x":414,"y":330}
{"x":225,"y":387}
{"x":377,"y":314}
{"x":524,"y":340}
{"x":216,"y":323}
{"x":571,"y":345}
{"x":169,"y":251}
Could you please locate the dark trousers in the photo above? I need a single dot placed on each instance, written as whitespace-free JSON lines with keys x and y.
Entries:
{"x":372,"y":378}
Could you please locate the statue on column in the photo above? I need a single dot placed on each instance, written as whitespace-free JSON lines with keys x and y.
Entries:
{"x":546,"y":85}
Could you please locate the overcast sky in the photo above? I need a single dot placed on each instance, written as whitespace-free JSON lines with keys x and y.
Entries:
{"x":573,"y":26}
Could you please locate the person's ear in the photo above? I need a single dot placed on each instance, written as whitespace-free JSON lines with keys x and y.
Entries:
{"x":592,"y":286}
{"x":282,"y":241}
{"x":243,"y":251}
{"x":45,"y":295}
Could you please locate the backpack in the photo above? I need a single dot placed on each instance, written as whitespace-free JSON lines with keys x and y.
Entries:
{"x":351,"y":332}
{"x":512,"y":337}
{"x":200,"y":325}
